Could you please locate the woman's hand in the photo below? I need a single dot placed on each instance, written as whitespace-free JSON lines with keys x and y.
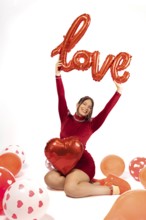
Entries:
{"x":119,"y":87}
{"x":57,"y":68}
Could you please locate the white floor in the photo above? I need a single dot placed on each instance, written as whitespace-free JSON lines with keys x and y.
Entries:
{"x":64,"y":208}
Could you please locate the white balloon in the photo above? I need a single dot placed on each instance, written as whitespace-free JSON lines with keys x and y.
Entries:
{"x":49,"y":165}
{"x":17,"y":150}
{"x":25,"y":200}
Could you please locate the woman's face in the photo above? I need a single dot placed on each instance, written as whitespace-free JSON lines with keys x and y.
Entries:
{"x":85,"y":108}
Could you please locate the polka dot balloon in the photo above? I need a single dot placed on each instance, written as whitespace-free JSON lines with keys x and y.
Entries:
{"x":135,"y":166}
{"x":17,"y":150}
{"x":25,"y":200}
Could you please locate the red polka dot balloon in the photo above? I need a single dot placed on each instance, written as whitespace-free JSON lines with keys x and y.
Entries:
{"x":25,"y":200}
{"x":135,"y":166}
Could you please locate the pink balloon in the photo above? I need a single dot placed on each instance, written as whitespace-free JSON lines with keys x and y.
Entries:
{"x":25,"y":200}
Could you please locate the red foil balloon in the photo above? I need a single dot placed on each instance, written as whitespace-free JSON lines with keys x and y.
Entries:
{"x":11,"y":161}
{"x":64,"y":153}
{"x":6,"y":179}
{"x":135,"y":166}
{"x":121,"y":62}
{"x":97,"y":74}
{"x":130,"y":205}
{"x":91,"y":59}
{"x":112,"y":164}
{"x":82,"y":54}
{"x":74,"y":34}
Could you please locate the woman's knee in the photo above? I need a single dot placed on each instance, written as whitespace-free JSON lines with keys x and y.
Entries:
{"x":48,"y":177}
{"x":72,"y":185}
{"x":70,"y":190}
{"x":53,"y":179}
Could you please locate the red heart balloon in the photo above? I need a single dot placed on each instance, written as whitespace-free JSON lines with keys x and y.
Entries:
{"x":64,"y":153}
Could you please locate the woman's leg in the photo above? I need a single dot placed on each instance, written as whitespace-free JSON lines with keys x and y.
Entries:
{"x":77,"y":185}
{"x":54,"y":180}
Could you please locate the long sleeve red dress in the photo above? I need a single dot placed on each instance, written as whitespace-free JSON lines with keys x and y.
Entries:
{"x":73,"y":125}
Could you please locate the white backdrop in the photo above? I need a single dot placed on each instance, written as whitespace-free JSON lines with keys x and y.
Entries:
{"x":29,"y":31}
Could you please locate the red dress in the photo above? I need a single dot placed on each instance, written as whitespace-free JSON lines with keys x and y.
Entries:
{"x":73,"y":125}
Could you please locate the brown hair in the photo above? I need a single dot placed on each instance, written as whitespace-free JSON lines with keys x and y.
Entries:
{"x":81,"y":101}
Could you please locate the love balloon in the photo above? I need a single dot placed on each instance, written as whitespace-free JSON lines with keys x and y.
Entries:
{"x":90,"y":59}
{"x":64,"y":153}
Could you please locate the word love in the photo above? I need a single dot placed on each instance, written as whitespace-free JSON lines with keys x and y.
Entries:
{"x":83,"y":60}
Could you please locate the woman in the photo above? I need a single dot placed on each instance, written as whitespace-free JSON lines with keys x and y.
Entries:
{"x":79,"y":181}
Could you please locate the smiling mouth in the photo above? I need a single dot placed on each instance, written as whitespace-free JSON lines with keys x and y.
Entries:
{"x":84,"y":112}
